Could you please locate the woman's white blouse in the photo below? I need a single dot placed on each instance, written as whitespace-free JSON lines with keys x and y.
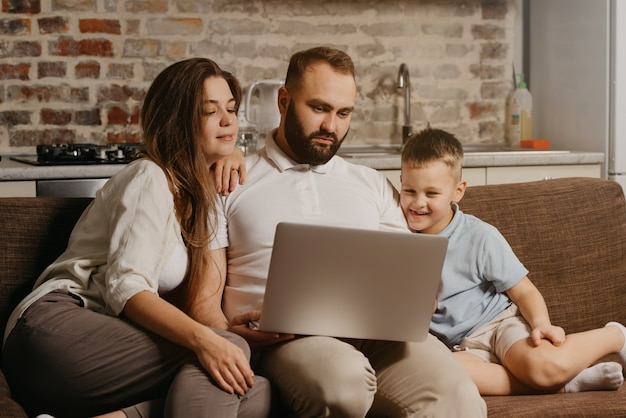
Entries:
{"x":119,"y":245}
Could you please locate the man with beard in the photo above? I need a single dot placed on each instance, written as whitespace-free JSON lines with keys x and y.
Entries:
{"x":298,"y":178}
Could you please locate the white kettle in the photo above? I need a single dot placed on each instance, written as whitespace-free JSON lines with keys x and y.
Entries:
{"x":262,"y":105}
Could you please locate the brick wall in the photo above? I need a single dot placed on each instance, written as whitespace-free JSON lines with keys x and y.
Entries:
{"x":77,"y":70}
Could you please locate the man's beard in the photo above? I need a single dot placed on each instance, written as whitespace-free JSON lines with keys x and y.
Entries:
{"x":302,"y":145}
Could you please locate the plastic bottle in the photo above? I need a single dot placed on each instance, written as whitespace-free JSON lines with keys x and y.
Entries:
{"x":519,"y":115}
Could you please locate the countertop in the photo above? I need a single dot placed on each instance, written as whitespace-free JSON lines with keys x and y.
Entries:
{"x":15,"y":171}
{"x":494,"y":159}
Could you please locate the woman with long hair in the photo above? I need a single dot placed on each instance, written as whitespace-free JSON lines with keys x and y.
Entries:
{"x":128,"y":320}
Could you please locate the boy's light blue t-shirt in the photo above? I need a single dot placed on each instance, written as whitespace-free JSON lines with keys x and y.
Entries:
{"x":479,"y":266}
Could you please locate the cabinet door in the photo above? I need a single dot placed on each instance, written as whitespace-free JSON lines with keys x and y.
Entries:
{"x":499,"y":175}
{"x":17,"y":189}
{"x":474,"y":176}
{"x":394,"y":177}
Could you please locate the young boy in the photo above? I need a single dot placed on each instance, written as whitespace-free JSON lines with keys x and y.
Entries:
{"x":488,"y":311}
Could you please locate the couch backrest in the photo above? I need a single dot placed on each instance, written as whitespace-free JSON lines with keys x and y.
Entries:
{"x":571,"y":235}
{"x":33,"y":232}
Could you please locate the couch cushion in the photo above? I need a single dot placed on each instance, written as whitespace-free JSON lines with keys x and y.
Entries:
{"x":585,"y":404}
{"x":573,"y":244}
{"x":35,"y":231}
{"x":8,"y":407}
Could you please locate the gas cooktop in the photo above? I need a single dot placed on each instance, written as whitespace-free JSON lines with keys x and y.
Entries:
{"x":80,"y":154}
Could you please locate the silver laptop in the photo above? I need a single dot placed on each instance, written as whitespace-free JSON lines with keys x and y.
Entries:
{"x":352,"y":283}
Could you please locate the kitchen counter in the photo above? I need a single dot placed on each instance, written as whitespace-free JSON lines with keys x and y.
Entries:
{"x":493,"y":159}
{"x":15,"y":171}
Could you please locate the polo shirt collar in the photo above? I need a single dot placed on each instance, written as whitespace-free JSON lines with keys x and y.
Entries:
{"x":284,"y":163}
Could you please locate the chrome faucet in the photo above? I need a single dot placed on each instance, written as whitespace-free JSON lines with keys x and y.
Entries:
{"x":405,"y":83}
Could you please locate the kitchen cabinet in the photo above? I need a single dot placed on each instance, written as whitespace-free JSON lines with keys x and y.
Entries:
{"x":474,"y":176}
{"x":393,"y":176}
{"x":478,"y":176}
{"x":21,"y":179}
{"x":52,"y":188}
{"x":520,"y":174}
{"x":18,"y":179}
{"x":18,"y":189}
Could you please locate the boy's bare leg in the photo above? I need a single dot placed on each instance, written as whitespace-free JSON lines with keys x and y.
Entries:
{"x":549,"y":367}
{"x":491,"y":378}
{"x":495,"y":379}
{"x":622,"y":352}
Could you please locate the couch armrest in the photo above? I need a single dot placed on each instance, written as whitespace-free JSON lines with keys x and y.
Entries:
{"x":8,"y":407}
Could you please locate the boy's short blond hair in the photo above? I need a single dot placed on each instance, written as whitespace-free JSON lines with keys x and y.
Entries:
{"x":431,"y":145}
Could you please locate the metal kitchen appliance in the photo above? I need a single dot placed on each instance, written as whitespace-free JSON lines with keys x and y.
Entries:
{"x":76,"y":154}
{"x":262,"y":105}
{"x":577,"y":65}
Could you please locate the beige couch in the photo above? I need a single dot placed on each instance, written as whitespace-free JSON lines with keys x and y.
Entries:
{"x":570,"y":233}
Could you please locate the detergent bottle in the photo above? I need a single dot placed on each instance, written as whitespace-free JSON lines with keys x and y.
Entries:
{"x":519,"y":115}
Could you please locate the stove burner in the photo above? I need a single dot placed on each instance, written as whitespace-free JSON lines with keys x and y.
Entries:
{"x":60,"y":154}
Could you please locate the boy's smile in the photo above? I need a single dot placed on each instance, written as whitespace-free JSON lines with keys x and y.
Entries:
{"x":426,"y":196}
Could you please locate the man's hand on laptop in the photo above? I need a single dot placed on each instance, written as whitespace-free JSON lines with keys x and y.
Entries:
{"x":246,"y":325}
